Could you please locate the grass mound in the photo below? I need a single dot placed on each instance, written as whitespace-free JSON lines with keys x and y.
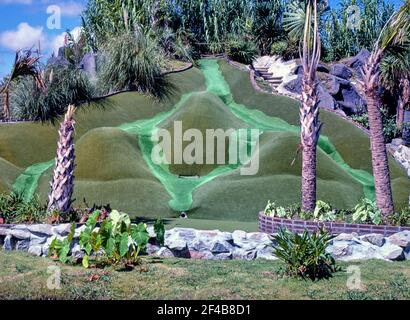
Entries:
{"x":202,"y":111}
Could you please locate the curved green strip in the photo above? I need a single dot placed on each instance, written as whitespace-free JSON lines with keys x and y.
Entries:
{"x":26,"y":183}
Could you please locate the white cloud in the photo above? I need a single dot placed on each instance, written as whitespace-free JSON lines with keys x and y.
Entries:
{"x":25,"y":36}
{"x":58,"y":41}
{"x":70,"y":8}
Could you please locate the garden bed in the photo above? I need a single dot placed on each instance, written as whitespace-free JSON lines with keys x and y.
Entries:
{"x":272,"y":225}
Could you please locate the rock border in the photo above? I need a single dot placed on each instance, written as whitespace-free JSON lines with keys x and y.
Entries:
{"x":271,"y":225}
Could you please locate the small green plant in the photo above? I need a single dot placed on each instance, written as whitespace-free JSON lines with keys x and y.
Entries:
{"x":273,"y":210}
{"x":61,"y":248}
{"x":324,"y":212}
{"x":366,"y":211}
{"x":401,"y":218}
{"x":243,"y":51}
{"x":159,"y":230}
{"x":305,"y":255}
{"x":278,"y":48}
{"x":14,"y":208}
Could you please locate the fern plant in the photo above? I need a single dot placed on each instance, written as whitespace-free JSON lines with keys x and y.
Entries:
{"x":367,"y":211}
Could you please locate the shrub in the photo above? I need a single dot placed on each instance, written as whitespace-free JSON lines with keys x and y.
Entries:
{"x":131,"y":62}
{"x":324,"y":212}
{"x":278,"y":48}
{"x":367,"y":211}
{"x":15,"y":209}
{"x":305,"y":255}
{"x":273,"y":210}
{"x":243,"y":51}
{"x":401,"y":218}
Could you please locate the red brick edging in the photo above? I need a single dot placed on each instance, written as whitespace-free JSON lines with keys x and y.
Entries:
{"x":272,"y":225}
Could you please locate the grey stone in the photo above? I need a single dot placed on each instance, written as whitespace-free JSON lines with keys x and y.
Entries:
{"x":77,"y":252}
{"x":9,"y":243}
{"x":339,"y":249}
{"x":373,"y":238}
{"x":358,"y":61}
{"x":221,"y":256}
{"x":220,"y":247}
{"x":36,"y":250}
{"x":78,"y":231}
{"x":34,"y":241}
{"x":401,"y":239}
{"x":89,"y":65}
{"x":346,"y":237}
{"x":152,"y":248}
{"x":20,"y":233}
{"x":175,"y":244}
{"x":363,"y":251}
{"x":22,"y":245}
{"x":239,"y":253}
{"x":391,"y":251}
{"x":266,"y":253}
{"x":41,"y":229}
{"x":61,"y":229}
{"x":406,"y":253}
{"x":341,"y":71}
{"x":238,"y":236}
{"x":347,"y":96}
{"x":165,"y":252}
{"x":295,"y":85}
{"x":4,"y":230}
{"x":325,"y":98}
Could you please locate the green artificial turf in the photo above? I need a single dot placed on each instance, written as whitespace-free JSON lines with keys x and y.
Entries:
{"x":114,"y":164}
{"x":23,"y":276}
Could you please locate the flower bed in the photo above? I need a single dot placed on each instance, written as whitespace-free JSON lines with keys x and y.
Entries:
{"x":272,"y":225}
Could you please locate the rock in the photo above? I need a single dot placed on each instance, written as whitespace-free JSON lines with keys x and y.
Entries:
{"x":180,"y":235}
{"x":221,"y":256}
{"x":266,"y":253}
{"x":346,"y":237}
{"x":36,"y":250}
{"x":406,"y":253}
{"x":61,"y":229}
{"x":402,"y":156}
{"x":326,"y":100}
{"x":341,"y":71}
{"x":152,"y":248}
{"x":322,"y":68}
{"x":339,"y":249}
{"x":401,"y":239}
{"x":59,"y":60}
{"x":77,"y":252}
{"x":4,"y":230}
{"x":220,"y":247}
{"x":20,"y":232}
{"x":34,"y":241}
{"x":164,"y":252}
{"x":238,"y":236}
{"x":358,"y":61}
{"x":295,"y":85}
{"x":353,"y":252}
{"x":242,"y":254}
{"x":397,"y":142}
{"x":259,"y":238}
{"x":41,"y":229}
{"x":22,"y":245}
{"x":406,"y":129}
{"x":374,"y":238}
{"x":176,"y":244}
{"x":151,"y":231}
{"x":392,"y":252}
{"x":78,"y":231}
{"x":347,"y":97}
{"x":9,"y":243}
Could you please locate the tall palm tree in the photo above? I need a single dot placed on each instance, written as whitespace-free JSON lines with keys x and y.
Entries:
{"x":24,"y":65}
{"x":392,"y":35}
{"x":309,"y":109}
{"x":62,"y":185}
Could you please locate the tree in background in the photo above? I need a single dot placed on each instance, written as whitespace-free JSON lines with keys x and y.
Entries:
{"x":393,"y":35}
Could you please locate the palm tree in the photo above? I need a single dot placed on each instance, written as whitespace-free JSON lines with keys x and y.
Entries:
{"x":395,"y":76}
{"x":392,"y":35}
{"x":62,"y":185}
{"x":24,"y":65}
{"x":309,"y":110}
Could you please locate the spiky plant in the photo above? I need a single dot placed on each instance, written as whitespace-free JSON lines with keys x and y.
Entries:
{"x":393,"y":34}
{"x":62,"y":185}
{"x":24,"y":65}
{"x":309,"y":109}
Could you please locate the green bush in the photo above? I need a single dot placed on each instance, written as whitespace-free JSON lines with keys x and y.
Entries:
{"x":401,"y":218}
{"x":367,"y":211}
{"x":15,"y":209}
{"x":273,"y":210}
{"x":324,"y":212}
{"x":305,"y":255}
{"x":278,"y":48}
{"x":243,"y":51}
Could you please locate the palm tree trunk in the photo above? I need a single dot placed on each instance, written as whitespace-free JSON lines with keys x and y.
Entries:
{"x":62,"y":185}
{"x":6,"y":106}
{"x":400,"y":114}
{"x":309,"y":134}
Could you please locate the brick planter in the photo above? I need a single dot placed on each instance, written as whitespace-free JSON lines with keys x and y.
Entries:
{"x":272,"y":225}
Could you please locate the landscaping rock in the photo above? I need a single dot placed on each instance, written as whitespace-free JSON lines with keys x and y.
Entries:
{"x":325,"y":98}
{"x":391,"y":251}
{"x":401,"y":239}
{"x":221,"y":247}
{"x":341,"y":71}
{"x":42,"y":230}
{"x":61,"y":229}
{"x":165,"y":252}
{"x":23,"y":245}
{"x":402,"y":156}
{"x":9,"y":243}
{"x":373,"y":238}
{"x":346,"y":237}
{"x":358,"y":61}
{"x":20,"y":233}
{"x":242,"y":254}
{"x":36,"y":250}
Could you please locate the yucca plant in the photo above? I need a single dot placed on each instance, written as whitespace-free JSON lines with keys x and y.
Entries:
{"x":62,"y":185}
{"x":305,"y":255}
{"x":393,"y":34}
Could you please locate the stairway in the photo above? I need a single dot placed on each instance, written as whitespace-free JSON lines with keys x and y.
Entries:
{"x":267,"y":76}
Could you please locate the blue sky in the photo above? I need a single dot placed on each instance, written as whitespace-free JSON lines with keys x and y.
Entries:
{"x":24,"y":23}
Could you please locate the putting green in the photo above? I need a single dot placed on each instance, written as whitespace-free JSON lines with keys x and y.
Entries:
{"x":114,"y":146}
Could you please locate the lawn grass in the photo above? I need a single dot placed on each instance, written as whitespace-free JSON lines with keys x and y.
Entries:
{"x":25,"y":277}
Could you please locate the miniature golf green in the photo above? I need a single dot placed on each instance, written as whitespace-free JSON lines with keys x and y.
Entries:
{"x":114,"y":164}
